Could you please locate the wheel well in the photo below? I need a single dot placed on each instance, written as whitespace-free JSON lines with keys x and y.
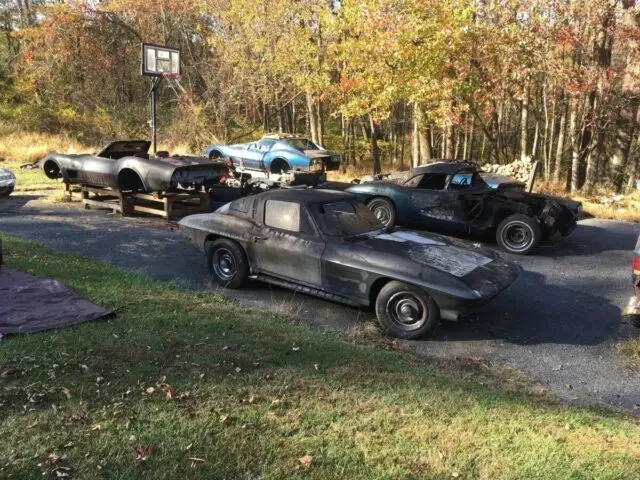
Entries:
{"x":213,"y":153}
{"x":279,"y":162}
{"x":51,"y":169}
{"x":375,"y":288}
{"x":373,"y":197}
{"x":129,"y":180}
{"x":212,"y":237}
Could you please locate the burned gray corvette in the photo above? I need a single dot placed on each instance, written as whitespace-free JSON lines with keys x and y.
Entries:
{"x":127,"y":166}
{"x":329,"y":244}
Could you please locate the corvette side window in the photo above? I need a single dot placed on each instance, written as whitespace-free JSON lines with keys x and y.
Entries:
{"x":433,"y":181}
{"x":282,"y":215}
{"x":414,"y":181}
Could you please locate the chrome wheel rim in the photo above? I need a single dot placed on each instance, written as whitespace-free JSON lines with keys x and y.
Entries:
{"x":407,"y":310}
{"x":224,"y":264}
{"x":517,"y":236}
{"x":381,"y":213}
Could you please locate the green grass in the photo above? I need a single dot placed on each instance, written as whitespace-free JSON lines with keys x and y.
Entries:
{"x":630,"y":350}
{"x":253,"y":393}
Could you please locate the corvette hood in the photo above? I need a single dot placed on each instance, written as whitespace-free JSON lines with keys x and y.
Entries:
{"x":462,"y":268}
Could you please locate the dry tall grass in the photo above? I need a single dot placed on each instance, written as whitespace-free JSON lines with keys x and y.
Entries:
{"x":601,"y":203}
{"x":28,"y":147}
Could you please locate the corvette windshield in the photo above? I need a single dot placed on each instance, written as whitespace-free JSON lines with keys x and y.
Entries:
{"x":302,"y":144}
{"x":345,"y":219}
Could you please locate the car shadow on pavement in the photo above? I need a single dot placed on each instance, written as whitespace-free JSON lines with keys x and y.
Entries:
{"x":15,"y":201}
{"x":533,"y":312}
{"x":591,"y":240}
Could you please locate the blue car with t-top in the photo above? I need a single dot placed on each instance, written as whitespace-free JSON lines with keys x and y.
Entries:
{"x":277,"y":153}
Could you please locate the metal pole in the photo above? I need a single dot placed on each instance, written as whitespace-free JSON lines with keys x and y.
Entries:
{"x":153,"y":118}
{"x":154,"y":92}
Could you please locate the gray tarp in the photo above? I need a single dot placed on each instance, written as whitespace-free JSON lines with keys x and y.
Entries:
{"x":30,"y":304}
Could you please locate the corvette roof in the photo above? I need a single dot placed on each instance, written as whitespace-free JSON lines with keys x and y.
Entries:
{"x":443,"y":167}
{"x":305,"y":195}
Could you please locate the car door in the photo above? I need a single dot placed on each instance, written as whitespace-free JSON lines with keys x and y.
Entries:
{"x":252,"y":156}
{"x":285,"y":243}
{"x":432,"y":205}
{"x":98,"y":171}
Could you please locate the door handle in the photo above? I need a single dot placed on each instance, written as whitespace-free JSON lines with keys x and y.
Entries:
{"x":257,"y":238}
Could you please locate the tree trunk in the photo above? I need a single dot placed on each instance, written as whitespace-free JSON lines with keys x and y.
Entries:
{"x":375,"y":151}
{"x":415,"y":140}
{"x":575,"y":146}
{"x":403,"y":134}
{"x":524,"y":116}
{"x":313,"y":123}
{"x":536,"y":134}
{"x":471,"y":140}
{"x":279,"y":113}
{"x":549,"y":132}
{"x":557,"y":171}
{"x":449,"y":153}
{"x":634,"y":168}
{"x":320,"y":123}
{"x":423,"y":135}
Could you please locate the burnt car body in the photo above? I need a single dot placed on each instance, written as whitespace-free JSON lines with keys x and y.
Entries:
{"x":126,"y":165}
{"x":632,"y":310}
{"x":329,"y":244}
{"x":452,"y":197}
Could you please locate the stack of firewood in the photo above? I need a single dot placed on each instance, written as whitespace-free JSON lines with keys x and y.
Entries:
{"x":518,"y":170}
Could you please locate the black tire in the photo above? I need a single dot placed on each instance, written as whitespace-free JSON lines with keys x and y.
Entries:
{"x":227,"y":263}
{"x":384,"y":210}
{"x":406,"y":311}
{"x":518,"y":234}
{"x":215,"y":154}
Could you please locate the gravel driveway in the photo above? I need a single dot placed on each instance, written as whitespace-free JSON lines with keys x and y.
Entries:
{"x":559,"y":322}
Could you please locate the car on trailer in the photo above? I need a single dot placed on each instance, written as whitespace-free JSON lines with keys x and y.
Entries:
{"x":127,"y":166}
{"x":329,"y":244}
{"x":453,"y":198}
{"x":276,"y":154}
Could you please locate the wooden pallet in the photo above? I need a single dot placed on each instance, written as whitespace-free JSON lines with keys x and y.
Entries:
{"x":166,"y":205}
{"x":171,"y":204}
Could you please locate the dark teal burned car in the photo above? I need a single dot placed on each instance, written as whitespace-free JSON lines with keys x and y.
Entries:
{"x":453,"y":197}
{"x":277,"y":154}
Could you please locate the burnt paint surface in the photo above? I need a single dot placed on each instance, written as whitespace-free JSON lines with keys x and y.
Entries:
{"x":157,"y":174}
{"x":472,"y":210}
{"x":457,"y":275}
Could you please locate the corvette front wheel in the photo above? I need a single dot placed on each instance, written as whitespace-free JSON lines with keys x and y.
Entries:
{"x":383,"y":210}
{"x":519,"y":234}
{"x":406,"y":311}
{"x":227,"y":263}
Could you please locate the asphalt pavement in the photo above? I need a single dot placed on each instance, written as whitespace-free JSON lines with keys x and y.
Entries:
{"x":559,"y":323}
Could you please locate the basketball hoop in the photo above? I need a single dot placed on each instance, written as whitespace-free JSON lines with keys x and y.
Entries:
{"x":159,"y":62}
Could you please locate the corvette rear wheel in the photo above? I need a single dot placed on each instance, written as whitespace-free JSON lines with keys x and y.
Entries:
{"x":215,"y":155}
{"x":384,"y":210}
{"x":519,"y":234}
{"x":227,"y":263}
{"x":406,"y":311}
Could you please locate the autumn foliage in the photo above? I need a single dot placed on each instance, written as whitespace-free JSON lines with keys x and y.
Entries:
{"x":389,"y":83}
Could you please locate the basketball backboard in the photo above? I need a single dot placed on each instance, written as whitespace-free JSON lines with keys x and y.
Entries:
{"x":159,"y":61}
